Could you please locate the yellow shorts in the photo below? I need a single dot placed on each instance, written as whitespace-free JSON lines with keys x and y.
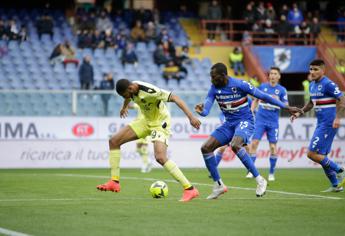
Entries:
{"x":144,"y":140}
{"x":157,"y":132}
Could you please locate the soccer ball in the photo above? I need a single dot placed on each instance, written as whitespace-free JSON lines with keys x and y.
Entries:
{"x":159,"y":189}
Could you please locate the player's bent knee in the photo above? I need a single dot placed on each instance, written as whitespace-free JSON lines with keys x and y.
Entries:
{"x":235,"y":147}
{"x":161,"y":159}
{"x":206,"y":148}
{"x":310,"y":155}
{"x":114,"y":143}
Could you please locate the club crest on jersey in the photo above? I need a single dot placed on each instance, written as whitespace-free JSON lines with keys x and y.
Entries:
{"x":319,"y":87}
{"x":265,"y":89}
{"x":276,"y":91}
{"x":234,"y":90}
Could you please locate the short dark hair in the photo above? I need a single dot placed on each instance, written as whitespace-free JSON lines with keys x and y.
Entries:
{"x":220,"y":68}
{"x":317,"y":62}
{"x":122,"y":85}
{"x":275,"y":68}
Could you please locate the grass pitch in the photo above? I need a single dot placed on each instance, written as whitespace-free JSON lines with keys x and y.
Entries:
{"x":66,"y":202}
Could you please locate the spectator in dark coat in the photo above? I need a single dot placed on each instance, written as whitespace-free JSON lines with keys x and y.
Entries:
{"x":45,"y":25}
{"x":86,"y":74}
{"x":106,"y":84}
{"x":159,"y":57}
{"x":129,"y":56}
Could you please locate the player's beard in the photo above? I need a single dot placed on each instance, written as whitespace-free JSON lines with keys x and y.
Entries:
{"x":220,"y":83}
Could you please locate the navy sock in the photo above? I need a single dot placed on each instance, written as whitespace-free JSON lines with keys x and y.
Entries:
{"x":331,"y":175}
{"x":273,"y":161}
{"x":327,"y":163}
{"x":218,"y":157}
{"x":253,"y":157}
{"x":247,"y":162}
{"x":211,"y":165}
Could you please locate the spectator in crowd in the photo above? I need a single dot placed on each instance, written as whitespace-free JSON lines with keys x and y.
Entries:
{"x":341,"y":26}
{"x":284,"y":10}
{"x":283,"y":30}
{"x":103,"y":22}
{"x":14,"y":31}
{"x":315,"y":29}
{"x":305,"y":32}
{"x":169,"y":48}
{"x":184,"y":56}
{"x":150,"y":32}
{"x":270,"y":12}
{"x":106,"y":84}
{"x":214,"y":12}
{"x":341,"y":67}
{"x":249,"y":16}
{"x":63,"y":52}
{"x":159,"y":57}
{"x":163,"y":36}
{"x":120,"y":43}
{"x":269,"y":31}
{"x":86,"y":75}
{"x":69,"y":53}
{"x":236,"y":61}
{"x":45,"y":25}
{"x":260,"y":12}
{"x":23,"y":34}
{"x":295,"y":16}
{"x":108,"y":40}
{"x":172,"y":71}
{"x":137,"y":33}
{"x":129,"y":56}
{"x":57,"y":55}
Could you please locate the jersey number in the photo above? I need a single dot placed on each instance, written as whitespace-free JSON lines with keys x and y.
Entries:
{"x":316,"y":140}
{"x":243,"y":124}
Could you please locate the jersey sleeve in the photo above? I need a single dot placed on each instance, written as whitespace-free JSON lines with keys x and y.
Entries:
{"x":284,"y":96}
{"x":248,"y":88}
{"x":163,"y":95}
{"x":333,"y":90}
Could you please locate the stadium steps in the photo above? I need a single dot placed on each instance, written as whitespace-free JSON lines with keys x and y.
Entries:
{"x":328,"y":35}
{"x":192,"y":28}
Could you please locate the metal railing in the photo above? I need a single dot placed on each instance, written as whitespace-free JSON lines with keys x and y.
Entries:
{"x":95,"y":103}
{"x":228,"y":31}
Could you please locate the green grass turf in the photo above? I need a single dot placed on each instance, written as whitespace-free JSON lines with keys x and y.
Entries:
{"x":49,"y":202}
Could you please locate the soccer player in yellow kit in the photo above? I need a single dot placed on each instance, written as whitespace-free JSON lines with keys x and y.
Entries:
{"x":156,"y":123}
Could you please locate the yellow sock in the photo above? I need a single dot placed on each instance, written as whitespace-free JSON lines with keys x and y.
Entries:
{"x":114,"y":160}
{"x":173,"y":169}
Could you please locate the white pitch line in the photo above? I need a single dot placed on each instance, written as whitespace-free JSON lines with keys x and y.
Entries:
{"x":11,"y":232}
{"x":203,"y":184}
{"x":150,"y":199}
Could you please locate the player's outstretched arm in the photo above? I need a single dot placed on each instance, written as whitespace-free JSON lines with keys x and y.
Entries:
{"x":195,"y":122}
{"x":340,"y":112}
{"x":263,"y":96}
{"x":124,"y":109}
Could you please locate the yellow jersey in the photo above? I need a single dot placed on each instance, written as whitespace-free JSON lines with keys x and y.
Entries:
{"x":151,"y":101}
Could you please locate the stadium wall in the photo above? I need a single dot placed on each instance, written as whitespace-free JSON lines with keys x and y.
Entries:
{"x":77,"y":142}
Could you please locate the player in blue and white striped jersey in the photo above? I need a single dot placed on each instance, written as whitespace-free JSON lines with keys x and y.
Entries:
{"x":266,"y":119}
{"x":231,"y":96}
{"x":329,"y":103}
